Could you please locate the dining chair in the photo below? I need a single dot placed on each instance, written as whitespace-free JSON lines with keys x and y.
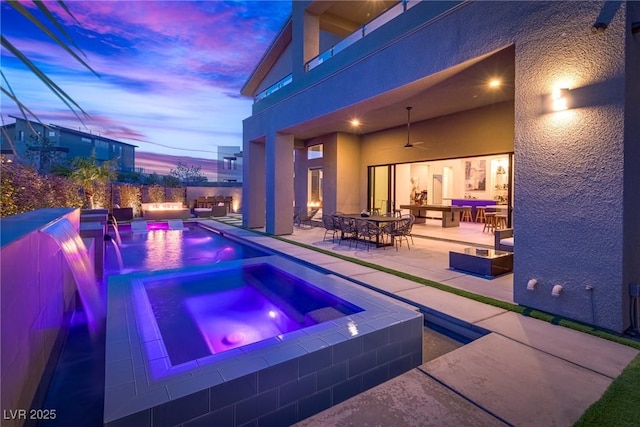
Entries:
{"x":412,"y":220}
{"x":330,"y":226}
{"x":381,"y":232}
{"x":362,"y":230}
{"x":347,"y":229}
{"x":401,"y":231}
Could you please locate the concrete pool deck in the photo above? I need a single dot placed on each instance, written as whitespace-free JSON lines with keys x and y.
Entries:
{"x":524,"y":372}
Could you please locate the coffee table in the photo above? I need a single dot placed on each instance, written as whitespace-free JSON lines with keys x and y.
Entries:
{"x":480,"y":261}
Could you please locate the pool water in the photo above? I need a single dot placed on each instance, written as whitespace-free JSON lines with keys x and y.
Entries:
{"x":162,"y":249}
{"x":211,"y":313}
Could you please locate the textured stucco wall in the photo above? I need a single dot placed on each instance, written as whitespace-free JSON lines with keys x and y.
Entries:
{"x":569,"y":164}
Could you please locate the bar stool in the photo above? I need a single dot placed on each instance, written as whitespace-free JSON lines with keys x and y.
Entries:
{"x":466,"y":213}
{"x":481,"y":213}
{"x":489,"y":222}
{"x":501,"y":221}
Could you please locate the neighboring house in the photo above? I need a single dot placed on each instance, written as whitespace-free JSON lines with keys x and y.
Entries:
{"x":229,"y":164}
{"x":555,"y":134}
{"x":65,"y":142}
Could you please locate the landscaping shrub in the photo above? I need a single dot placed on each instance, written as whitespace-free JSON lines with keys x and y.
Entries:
{"x":176,"y":195}
{"x":156,"y":194}
{"x":24,"y":190}
{"x":130,"y":197}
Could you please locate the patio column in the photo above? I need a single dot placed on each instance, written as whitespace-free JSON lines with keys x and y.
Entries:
{"x":253,"y":187}
{"x":279,"y":181}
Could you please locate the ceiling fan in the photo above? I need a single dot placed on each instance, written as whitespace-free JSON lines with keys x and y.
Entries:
{"x":410,"y":144}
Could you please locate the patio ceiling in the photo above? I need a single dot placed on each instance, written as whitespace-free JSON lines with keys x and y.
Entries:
{"x":456,"y":89}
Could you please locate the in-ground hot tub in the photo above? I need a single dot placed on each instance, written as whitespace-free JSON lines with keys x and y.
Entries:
{"x":261,"y":339}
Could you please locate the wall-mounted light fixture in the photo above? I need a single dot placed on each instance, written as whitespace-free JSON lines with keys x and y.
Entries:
{"x":531,"y":284}
{"x":560,"y":99}
{"x":557,"y":290}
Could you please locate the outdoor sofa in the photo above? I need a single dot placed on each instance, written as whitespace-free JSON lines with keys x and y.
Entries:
{"x":504,"y":239}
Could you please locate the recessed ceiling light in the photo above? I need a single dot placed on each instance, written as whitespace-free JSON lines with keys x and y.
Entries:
{"x":355,"y":122}
{"x":494,"y":83}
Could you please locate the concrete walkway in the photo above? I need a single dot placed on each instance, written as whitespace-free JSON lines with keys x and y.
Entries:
{"x":524,"y":372}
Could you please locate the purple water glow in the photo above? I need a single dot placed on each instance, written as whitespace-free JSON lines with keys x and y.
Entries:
{"x":204,"y":314}
{"x":162,"y":249}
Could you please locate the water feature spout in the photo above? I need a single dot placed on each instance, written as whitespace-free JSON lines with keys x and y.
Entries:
{"x":113,"y":222}
{"x":116,"y":247}
{"x":77,"y":256}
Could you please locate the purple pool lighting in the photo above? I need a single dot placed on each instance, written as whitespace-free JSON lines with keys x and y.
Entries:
{"x":207,"y":314}
{"x":162,"y":249}
{"x":175,"y":346}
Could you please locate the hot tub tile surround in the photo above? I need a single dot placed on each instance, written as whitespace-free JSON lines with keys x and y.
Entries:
{"x":277,"y":381}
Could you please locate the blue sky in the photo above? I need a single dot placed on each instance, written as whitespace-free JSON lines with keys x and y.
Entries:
{"x":170,"y":72}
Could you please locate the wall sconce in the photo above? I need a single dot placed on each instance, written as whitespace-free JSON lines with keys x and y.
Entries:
{"x":560,"y":99}
{"x":557,"y":289}
{"x":531,"y":284}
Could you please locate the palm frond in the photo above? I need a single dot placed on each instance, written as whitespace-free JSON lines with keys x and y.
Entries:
{"x":66,"y":9}
{"x":24,"y":12}
{"x":64,"y":97}
{"x":46,"y":12}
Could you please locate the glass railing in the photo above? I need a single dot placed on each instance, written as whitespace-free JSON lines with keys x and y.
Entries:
{"x":362,"y":32}
{"x":274,"y":87}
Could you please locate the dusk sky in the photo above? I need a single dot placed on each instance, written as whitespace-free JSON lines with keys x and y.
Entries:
{"x":170,"y":72}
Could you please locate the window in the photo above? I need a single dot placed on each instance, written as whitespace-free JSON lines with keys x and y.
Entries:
{"x":87,"y":140}
{"x":314,"y":190}
{"x":52,"y":133}
{"x":314,"y":152}
{"x":102,"y":150}
{"x":21,"y":135}
{"x":229,"y":163}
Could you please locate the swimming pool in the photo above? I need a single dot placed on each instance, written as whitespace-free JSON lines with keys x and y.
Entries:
{"x":154,"y":378}
{"x":160,"y":248}
{"x":212,"y":312}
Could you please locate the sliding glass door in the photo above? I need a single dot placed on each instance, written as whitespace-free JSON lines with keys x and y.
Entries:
{"x":381,"y":189}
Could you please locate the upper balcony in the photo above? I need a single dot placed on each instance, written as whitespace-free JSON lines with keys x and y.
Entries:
{"x":338,"y":34}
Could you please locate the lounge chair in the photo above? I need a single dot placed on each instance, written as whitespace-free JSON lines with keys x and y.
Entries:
{"x":305,"y":217}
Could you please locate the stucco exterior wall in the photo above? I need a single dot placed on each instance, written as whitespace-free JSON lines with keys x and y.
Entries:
{"x":348,"y":191}
{"x":569,"y":164}
{"x":279,"y":71}
{"x":477,"y":132}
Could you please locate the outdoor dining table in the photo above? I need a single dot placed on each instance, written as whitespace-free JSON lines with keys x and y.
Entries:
{"x":450,"y":214}
{"x":379,"y":220}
